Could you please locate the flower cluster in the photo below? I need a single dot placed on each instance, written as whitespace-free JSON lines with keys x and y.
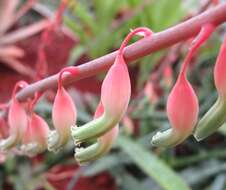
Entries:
{"x":32,"y":134}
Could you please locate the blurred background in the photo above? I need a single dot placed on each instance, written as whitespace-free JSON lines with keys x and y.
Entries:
{"x":92,"y":29}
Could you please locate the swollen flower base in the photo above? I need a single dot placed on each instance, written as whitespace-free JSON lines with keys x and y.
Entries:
{"x":216,"y":116}
{"x":182,"y":103}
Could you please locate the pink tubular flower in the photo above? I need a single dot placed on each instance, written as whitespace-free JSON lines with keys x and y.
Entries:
{"x":64,"y":114}
{"x":182,"y":103}
{"x":17,"y":120}
{"x":101,"y":147}
{"x":35,"y":137}
{"x":216,"y":116}
{"x":115,"y":96}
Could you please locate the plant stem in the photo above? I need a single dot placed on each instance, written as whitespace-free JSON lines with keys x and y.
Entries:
{"x":143,"y":47}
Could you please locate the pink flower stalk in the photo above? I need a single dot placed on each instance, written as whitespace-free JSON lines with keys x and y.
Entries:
{"x":17,"y":121}
{"x":101,"y":147}
{"x":115,"y":96}
{"x":216,"y":116}
{"x":36,"y":134}
{"x":64,"y":114}
{"x":182,"y":103}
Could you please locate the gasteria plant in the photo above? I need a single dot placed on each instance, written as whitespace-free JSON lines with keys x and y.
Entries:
{"x":182,"y":103}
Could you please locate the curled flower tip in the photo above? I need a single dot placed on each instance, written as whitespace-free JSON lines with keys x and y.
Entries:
{"x":64,"y":114}
{"x":17,"y":121}
{"x":216,"y":116}
{"x":35,"y":138}
{"x":115,"y":96}
{"x":101,"y":147}
{"x":182,"y":111}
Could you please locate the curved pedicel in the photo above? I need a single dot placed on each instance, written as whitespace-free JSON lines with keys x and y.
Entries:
{"x":115,"y":96}
{"x":101,"y":147}
{"x":216,"y":116}
{"x":182,"y":103}
{"x":64,"y":114}
{"x":17,"y":120}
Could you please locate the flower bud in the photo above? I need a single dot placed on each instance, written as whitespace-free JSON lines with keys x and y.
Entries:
{"x":35,"y":137}
{"x":17,"y":121}
{"x":216,"y":116}
{"x":64,"y":115}
{"x":101,"y":147}
{"x":115,"y":96}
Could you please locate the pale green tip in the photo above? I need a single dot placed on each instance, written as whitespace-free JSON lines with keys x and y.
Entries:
{"x":212,"y":120}
{"x":93,"y":129}
{"x":168,"y":138}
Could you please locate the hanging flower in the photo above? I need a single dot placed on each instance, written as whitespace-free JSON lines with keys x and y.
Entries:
{"x":101,"y":147}
{"x":182,"y":103}
{"x":64,"y":114}
{"x":115,"y":96}
{"x":216,"y":116}
{"x":35,"y":136}
{"x":17,"y":121}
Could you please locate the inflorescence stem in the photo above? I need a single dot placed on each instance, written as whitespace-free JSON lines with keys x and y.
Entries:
{"x":141,"y":48}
